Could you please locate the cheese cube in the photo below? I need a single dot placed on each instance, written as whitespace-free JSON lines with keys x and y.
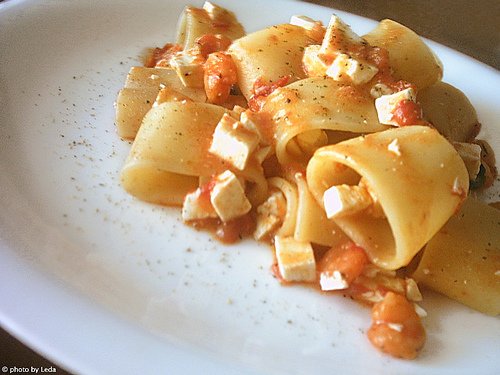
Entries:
{"x":394,"y":147}
{"x":313,"y":63}
{"x":263,"y":153}
{"x":214,"y":11}
{"x":238,"y":110}
{"x":305,"y":22}
{"x":250,"y":120}
{"x":228,"y":197}
{"x":342,"y":200}
{"x":338,"y":37}
{"x":233,"y":142}
{"x":189,"y":69}
{"x":332,"y":281}
{"x":197,"y":207}
{"x":295,"y":259}
{"x":270,"y":215}
{"x":386,"y":105}
{"x":345,"y":67}
{"x":420,"y":311}
{"x":412,"y":291}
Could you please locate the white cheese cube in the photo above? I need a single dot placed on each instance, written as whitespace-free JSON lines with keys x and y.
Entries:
{"x":304,"y":21}
{"x":197,"y":207}
{"x":345,"y":67}
{"x":372,"y":297}
{"x":412,"y":291}
{"x":420,"y":311}
{"x":189,"y":69}
{"x":332,"y":281}
{"x":238,"y":110}
{"x":394,"y":147}
{"x":471,"y":155}
{"x":270,"y":215}
{"x":345,"y":200}
{"x":228,"y":197}
{"x":338,"y":36}
{"x":295,"y":259}
{"x":386,"y":105}
{"x":233,"y":142}
{"x":213,"y":10}
{"x":250,"y":121}
{"x":263,"y":153}
{"x":313,"y":63}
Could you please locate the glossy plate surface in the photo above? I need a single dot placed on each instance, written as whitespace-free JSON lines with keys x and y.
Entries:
{"x":102,"y":283}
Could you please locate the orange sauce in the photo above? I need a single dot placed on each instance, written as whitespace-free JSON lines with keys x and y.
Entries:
{"x":162,"y":56}
{"x":262,"y":89}
{"x":407,"y":112}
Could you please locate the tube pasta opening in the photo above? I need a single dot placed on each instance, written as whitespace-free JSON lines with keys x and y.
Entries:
{"x":419,"y":188}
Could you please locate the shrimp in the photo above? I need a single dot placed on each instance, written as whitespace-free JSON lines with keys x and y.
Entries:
{"x":160,"y":57}
{"x":210,"y":43}
{"x":220,"y":75}
{"x":396,"y":328}
{"x":349,"y":260}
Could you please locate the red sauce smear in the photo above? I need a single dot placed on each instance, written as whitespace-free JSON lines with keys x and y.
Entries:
{"x":408,"y":112}
{"x":162,"y":56}
{"x":261,"y":90}
{"x":210,"y":43}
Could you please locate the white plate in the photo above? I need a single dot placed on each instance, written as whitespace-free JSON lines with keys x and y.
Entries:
{"x":102,"y":283}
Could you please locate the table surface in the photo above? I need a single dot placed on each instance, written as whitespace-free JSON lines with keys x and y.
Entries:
{"x":471,"y":27}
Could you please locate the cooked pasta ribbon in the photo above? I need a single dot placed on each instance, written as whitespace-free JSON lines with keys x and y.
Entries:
{"x":139,"y":93}
{"x":462,"y":261}
{"x":210,"y":19}
{"x":315,"y":104}
{"x":414,"y":173}
{"x":410,"y":58}
{"x":312,"y":225}
{"x":269,"y":55}
{"x":171,"y":152}
{"x":449,"y":111}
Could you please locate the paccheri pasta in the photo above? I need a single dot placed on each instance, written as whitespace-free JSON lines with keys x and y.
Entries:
{"x":346,"y":153}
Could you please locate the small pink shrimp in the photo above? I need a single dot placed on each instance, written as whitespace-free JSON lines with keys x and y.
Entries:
{"x":396,"y":328}
{"x":220,"y":75}
{"x":210,"y":43}
{"x":160,"y":57}
{"x":348,"y":259}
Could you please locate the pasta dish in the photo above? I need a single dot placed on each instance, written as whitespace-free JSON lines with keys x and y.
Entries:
{"x":348,"y":154}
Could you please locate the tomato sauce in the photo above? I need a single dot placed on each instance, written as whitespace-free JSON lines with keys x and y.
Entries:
{"x":261,"y":90}
{"x":162,"y":56}
{"x":407,"y":112}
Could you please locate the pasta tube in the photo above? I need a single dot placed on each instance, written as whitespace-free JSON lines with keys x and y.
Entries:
{"x":170,"y":151}
{"x":462,"y":261}
{"x":409,"y":57}
{"x":210,"y":19}
{"x":270,"y":54}
{"x":413,"y":173}
{"x":449,"y":111}
{"x":139,"y":93}
{"x":318,"y":103}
